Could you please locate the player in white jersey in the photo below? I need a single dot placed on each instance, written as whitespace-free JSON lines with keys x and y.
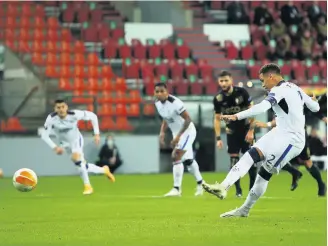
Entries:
{"x":278,"y":146}
{"x":63,"y":123}
{"x":175,"y":116}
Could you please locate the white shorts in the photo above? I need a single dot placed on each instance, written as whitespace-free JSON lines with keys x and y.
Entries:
{"x":75,"y":146}
{"x":186,"y":141}
{"x":278,"y":149}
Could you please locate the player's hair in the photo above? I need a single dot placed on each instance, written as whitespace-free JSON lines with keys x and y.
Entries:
{"x":59,"y":101}
{"x":270,"y":68}
{"x":224,"y":73}
{"x":161,"y":84}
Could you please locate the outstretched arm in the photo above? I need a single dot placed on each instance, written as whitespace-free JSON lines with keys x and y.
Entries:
{"x":262,"y":107}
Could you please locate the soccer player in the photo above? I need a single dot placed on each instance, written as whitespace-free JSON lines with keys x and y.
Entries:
{"x":303,"y":158}
{"x":240,"y":134}
{"x":278,"y":146}
{"x":175,"y":116}
{"x":63,"y":123}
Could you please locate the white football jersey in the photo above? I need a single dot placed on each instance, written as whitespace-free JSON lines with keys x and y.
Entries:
{"x":66,"y":130}
{"x":170,"y":111}
{"x":287,"y":101}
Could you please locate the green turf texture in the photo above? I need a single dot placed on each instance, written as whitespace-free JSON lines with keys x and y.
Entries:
{"x":131,"y":213}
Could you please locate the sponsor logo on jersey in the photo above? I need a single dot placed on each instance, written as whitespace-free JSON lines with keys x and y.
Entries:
{"x":219,"y":98}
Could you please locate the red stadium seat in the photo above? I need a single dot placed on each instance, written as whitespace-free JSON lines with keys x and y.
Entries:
{"x":168,"y":51}
{"x":106,"y":110}
{"x":64,"y":84}
{"x":134,"y":110}
{"x":122,"y":123}
{"x":183,"y":52}
{"x":149,"y":109}
{"x":89,"y":34}
{"x":196,"y":88}
{"x":298,"y":70}
{"x":161,"y":69}
{"x":107,"y":123}
{"x":139,"y":51}
{"x":246,"y":51}
{"x":231,"y":50}
{"x":176,"y":69}
{"x":125,"y":51}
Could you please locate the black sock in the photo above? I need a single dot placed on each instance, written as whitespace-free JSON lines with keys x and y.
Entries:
{"x":237,"y":184}
{"x":199,"y":182}
{"x":315,"y":173}
{"x":252,"y":176}
{"x":176,"y":187}
{"x":233,"y":161}
{"x":292,"y":170}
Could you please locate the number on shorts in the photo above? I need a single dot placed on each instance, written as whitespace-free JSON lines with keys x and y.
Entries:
{"x":270,"y":160}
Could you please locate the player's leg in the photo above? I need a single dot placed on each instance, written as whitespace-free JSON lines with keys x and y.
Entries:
{"x":76,"y":149}
{"x":258,"y":189}
{"x":253,"y":170}
{"x":234,"y":143}
{"x":178,"y":170}
{"x":296,"y":175}
{"x":305,"y":159}
{"x":191,"y":163}
{"x":315,"y":173}
{"x":92,"y":168}
{"x":79,"y":162}
{"x":254,"y":155}
{"x":275,"y":160}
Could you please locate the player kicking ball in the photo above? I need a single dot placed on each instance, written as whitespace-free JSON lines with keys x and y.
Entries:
{"x":276,"y":148}
{"x":63,"y":123}
{"x":175,"y":116}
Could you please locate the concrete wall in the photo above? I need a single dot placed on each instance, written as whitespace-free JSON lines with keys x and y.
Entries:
{"x":139,"y":153}
{"x":162,"y":12}
{"x":18,"y":82}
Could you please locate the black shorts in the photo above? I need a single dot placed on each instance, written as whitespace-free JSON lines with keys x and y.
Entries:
{"x":237,"y":141}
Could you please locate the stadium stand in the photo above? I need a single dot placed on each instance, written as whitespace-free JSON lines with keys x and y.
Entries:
{"x":75,"y":45}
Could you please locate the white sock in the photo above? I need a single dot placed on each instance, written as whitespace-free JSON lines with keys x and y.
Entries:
{"x":238,"y":171}
{"x":92,"y":168}
{"x":255,"y":193}
{"x":194,"y":170}
{"x":178,"y":170}
{"x":83,"y":172}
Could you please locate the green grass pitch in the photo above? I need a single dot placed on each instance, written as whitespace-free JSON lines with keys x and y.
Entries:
{"x":131,"y":212}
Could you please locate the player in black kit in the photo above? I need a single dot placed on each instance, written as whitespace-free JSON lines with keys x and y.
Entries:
{"x":240,"y":134}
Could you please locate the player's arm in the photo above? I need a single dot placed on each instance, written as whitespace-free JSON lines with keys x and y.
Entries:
{"x":181,"y":110}
{"x":163,"y":128}
{"x":217,"y":122}
{"x":217,"y":118}
{"x":217,"y":126}
{"x":45,"y":135}
{"x":310,"y":102}
{"x":320,"y":114}
{"x":88,"y":116}
{"x":269,"y":124}
{"x":260,"y":108}
{"x":249,"y":103}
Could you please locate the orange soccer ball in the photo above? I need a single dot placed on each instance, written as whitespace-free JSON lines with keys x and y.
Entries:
{"x":25,"y":180}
